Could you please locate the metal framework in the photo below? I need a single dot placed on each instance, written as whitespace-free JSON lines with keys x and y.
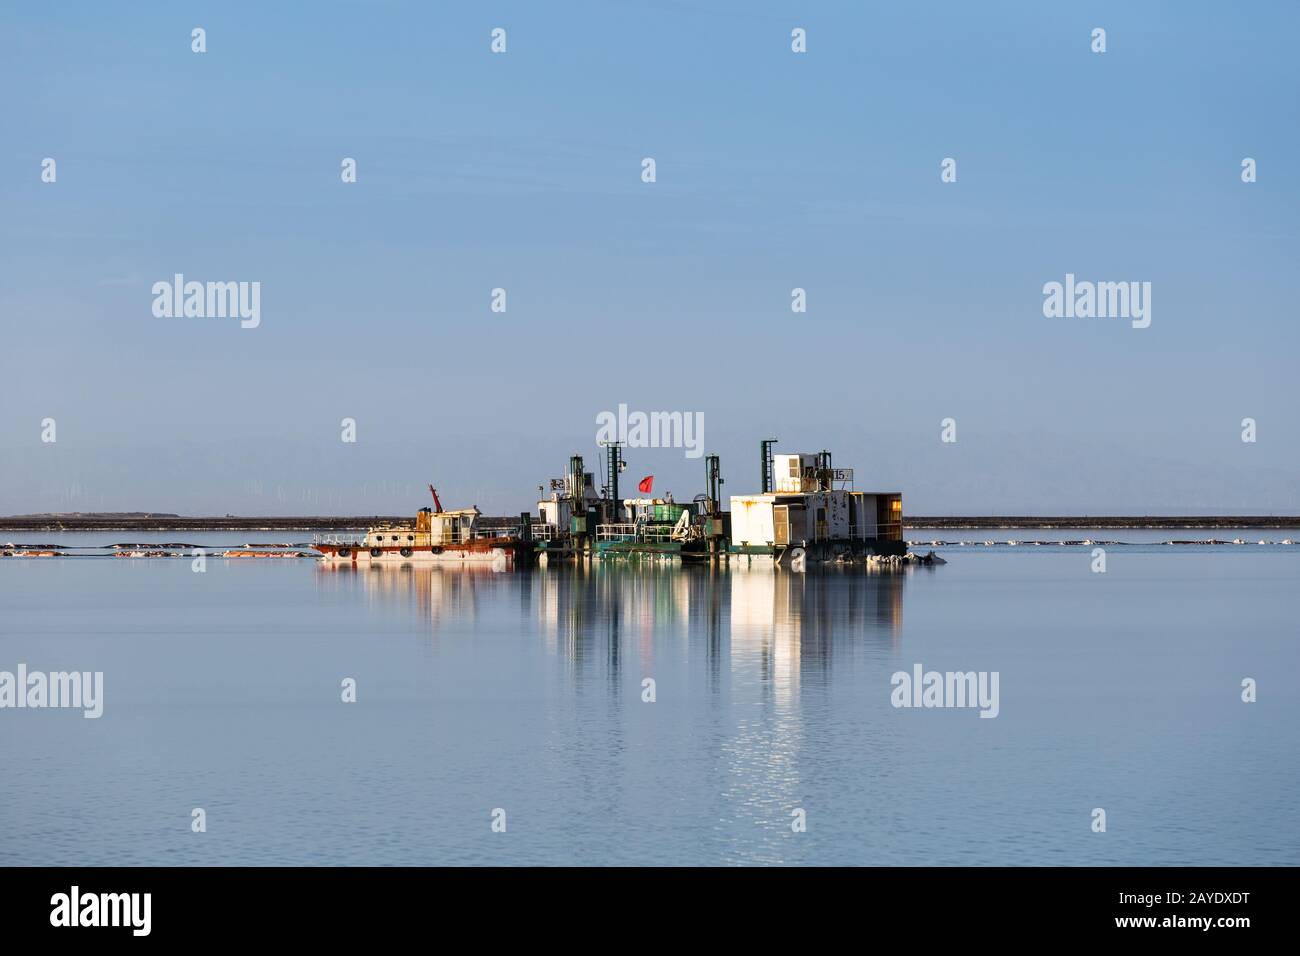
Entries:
{"x":765,"y":464}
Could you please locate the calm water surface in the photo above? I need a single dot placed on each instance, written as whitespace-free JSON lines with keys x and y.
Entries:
{"x":524,"y":691}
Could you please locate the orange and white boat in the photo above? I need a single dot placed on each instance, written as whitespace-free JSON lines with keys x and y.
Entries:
{"x":436,"y":537}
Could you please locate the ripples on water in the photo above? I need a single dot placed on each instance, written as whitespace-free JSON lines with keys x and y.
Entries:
{"x":524,"y":691}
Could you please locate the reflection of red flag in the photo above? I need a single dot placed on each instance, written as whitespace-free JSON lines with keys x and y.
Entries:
{"x":647,"y":483}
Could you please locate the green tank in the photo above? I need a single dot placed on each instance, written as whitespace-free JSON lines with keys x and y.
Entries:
{"x":669,"y":512}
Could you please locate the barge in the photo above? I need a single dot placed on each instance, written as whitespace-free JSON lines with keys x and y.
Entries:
{"x":806,"y":510}
{"x":809,"y":509}
{"x":435,"y":537}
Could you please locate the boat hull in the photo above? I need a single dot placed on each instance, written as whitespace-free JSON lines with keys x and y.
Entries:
{"x":504,"y":553}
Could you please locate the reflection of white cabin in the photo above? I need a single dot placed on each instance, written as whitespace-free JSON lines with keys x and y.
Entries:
{"x":804,"y":508}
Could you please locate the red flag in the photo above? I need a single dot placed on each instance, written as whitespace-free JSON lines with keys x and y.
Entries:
{"x":647,"y":483}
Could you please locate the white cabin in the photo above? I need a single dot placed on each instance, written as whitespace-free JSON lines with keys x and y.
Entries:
{"x":805,"y":508}
{"x":558,"y":509}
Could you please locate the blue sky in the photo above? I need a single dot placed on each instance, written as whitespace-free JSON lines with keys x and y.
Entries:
{"x":522,"y":171}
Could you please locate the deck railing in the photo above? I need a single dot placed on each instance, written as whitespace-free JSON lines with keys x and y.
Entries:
{"x":615,"y":532}
{"x":346,"y":541}
{"x":635,"y":532}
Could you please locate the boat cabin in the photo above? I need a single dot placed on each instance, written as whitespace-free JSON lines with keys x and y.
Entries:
{"x":431,"y":529}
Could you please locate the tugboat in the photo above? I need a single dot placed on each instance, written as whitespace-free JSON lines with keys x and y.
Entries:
{"x":436,"y":537}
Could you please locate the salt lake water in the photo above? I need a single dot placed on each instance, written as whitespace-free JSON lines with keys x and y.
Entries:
{"x":524,"y":691}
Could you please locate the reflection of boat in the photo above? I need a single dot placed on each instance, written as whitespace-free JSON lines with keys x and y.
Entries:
{"x":436,"y":537}
{"x":445,"y":595}
{"x":246,"y":553}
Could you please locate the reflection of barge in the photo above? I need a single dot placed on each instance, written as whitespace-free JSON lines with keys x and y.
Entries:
{"x":436,"y":537}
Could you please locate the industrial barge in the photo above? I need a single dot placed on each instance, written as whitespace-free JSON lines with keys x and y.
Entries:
{"x":806,"y":510}
{"x":435,"y":537}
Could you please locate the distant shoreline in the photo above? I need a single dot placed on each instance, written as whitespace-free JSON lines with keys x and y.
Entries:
{"x":142,"y":521}
{"x":1132,"y":522}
